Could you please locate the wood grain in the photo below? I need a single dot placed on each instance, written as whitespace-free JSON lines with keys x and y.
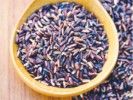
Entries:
{"x":11,"y":87}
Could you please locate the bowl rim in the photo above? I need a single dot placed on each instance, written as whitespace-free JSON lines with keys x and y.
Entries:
{"x":63,"y":92}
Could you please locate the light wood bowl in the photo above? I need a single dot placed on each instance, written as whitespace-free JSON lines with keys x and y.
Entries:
{"x":92,"y":6}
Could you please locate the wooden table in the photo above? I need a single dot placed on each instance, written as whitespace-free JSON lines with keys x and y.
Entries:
{"x":11,"y":86}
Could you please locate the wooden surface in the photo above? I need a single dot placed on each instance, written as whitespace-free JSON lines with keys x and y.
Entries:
{"x":11,"y":87}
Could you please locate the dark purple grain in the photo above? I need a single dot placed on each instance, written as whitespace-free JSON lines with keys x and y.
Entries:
{"x":119,"y":85}
{"x":62,"y":45}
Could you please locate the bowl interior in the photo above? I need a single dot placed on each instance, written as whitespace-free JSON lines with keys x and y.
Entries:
{"x":92,"y":6}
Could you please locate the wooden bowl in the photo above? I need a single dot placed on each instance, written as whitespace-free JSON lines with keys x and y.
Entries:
{"x":92,"y":6}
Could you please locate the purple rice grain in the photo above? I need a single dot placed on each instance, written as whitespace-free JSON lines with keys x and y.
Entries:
{"x":62,"y":45}
{"x":119,"y":85}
